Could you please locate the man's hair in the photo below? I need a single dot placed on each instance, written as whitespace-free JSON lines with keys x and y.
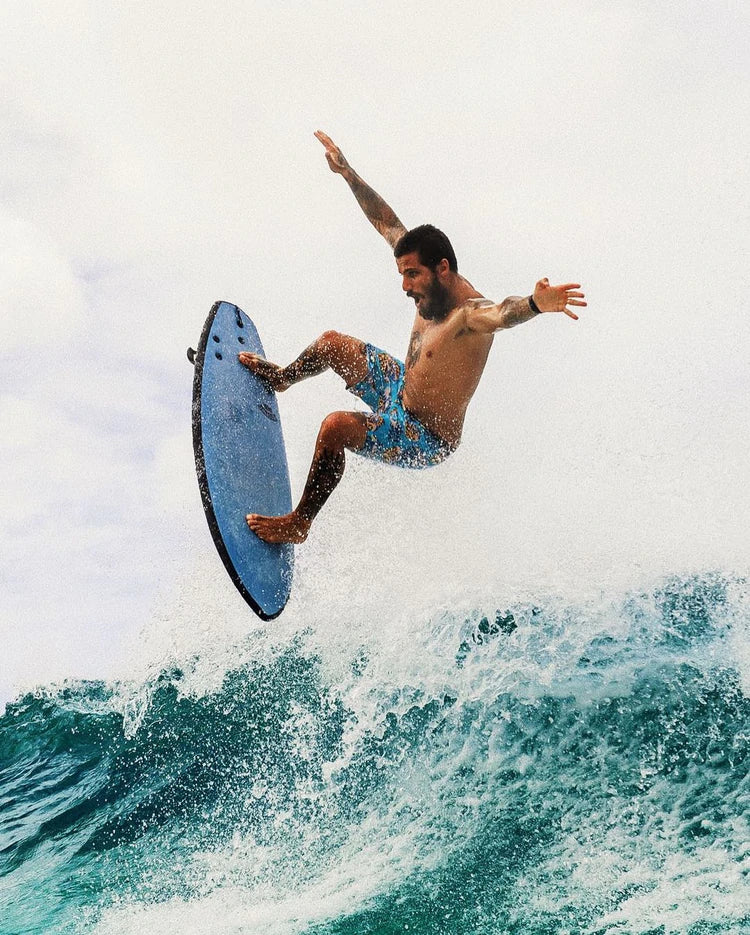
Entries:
{"x":430,"y":243}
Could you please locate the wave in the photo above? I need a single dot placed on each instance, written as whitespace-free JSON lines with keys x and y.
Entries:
{"x":562,"y":769}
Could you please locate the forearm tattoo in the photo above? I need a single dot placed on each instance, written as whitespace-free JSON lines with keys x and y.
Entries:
{"x":378,"y":212}
{"x":515,"y":310}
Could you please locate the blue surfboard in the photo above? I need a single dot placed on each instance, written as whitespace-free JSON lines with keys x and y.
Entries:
{"x":240,"y":458}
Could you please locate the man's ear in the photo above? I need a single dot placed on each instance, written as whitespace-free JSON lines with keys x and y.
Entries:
{"x":443,"y":268}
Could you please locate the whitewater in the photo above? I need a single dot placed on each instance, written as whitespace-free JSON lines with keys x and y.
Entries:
{"x":474,"y":718}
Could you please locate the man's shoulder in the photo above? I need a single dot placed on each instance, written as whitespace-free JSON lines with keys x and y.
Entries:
{"x":460,"y":318}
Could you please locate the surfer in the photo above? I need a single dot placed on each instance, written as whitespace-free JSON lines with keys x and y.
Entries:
{"x":417,"y":407}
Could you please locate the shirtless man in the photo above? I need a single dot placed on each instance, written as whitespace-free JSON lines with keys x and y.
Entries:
{"x":418,"y":409}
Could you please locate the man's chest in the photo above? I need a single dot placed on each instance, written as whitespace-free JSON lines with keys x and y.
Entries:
{"x":436,"y":345}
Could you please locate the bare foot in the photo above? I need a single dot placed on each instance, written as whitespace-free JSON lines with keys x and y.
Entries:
{"x":289,"y":528}
{"x":271,"y":373}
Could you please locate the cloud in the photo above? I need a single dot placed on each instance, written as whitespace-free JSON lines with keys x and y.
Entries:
{"x":41,"y":298}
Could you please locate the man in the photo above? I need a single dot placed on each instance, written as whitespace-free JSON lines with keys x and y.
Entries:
{"x":418,"y":408}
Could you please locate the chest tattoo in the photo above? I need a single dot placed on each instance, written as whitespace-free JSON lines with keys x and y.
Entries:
{"x":415,"y":349}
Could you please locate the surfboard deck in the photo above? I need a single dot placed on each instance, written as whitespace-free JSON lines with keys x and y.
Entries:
{"x":240,"y":458}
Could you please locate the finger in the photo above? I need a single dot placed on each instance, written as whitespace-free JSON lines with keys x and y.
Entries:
{"x":324,"y":138}
{"x":331,"y":148}
{"x":569,"y":286}
{"x":576,"y":302}
{"x":570,"y":314}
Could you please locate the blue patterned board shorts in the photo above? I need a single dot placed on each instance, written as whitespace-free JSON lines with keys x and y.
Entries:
{"x":393,"y":434}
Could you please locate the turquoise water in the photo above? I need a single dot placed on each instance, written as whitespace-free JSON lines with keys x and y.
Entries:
{"x":573,"y":769}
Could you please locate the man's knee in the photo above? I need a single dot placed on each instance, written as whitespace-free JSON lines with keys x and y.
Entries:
{"x":343,"y":429}
{"x":330,"y":342}
{"x":340,"y":346}
{"x":336,"y":425}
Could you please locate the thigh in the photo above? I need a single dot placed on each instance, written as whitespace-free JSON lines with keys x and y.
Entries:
{"x":380,"y":387}
{"x":346,"y":356}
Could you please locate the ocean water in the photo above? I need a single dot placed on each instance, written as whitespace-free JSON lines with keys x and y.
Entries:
{"x":534,"y":766}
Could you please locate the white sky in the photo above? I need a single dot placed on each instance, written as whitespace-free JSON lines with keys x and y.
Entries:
{"x":160,"y":156}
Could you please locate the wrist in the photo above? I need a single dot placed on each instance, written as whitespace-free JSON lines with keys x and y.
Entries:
{"x":534,"y":307}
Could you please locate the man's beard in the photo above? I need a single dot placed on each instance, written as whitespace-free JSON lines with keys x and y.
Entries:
{"x":436,"y":304}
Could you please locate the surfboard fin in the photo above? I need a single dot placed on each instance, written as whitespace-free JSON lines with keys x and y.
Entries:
{"x":191,"y":355}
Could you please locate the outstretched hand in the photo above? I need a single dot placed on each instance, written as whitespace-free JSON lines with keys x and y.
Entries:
{"x":335,"y":157}
{"x":557,"y":298}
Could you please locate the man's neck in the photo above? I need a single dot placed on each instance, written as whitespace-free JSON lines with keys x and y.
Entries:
{"x":461,"y":290}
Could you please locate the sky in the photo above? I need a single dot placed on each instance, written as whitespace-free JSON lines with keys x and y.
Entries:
{"x":158,"y":157}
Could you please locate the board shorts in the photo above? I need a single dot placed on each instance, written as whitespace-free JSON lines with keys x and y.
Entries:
{"x":394,"y":435}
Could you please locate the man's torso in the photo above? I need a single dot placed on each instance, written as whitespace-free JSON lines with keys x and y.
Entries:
{"x":444,"y":364}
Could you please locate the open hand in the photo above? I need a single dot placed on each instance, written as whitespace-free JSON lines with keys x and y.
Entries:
{"x":335,"y":157}
{"x":557,"y":298}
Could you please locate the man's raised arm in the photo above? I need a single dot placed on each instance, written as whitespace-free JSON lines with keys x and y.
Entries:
{"x":378,"y":213}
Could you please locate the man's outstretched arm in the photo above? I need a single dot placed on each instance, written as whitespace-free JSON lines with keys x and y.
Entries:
{"x":378,"y":213}
{"x":484,"y":315}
